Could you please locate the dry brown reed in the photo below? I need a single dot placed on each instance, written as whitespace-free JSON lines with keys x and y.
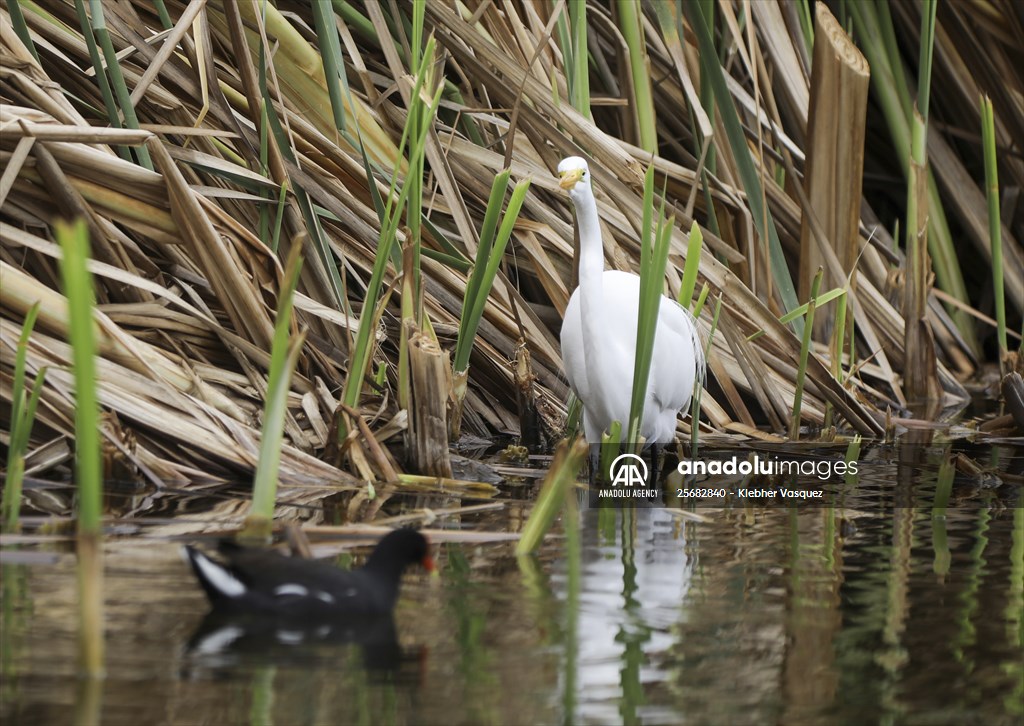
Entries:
{"x":187,"y":274}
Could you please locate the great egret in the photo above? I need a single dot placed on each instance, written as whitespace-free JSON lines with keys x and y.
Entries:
{"x":599,"y":334}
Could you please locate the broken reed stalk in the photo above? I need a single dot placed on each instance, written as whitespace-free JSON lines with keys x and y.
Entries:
{"x":840,"y":81}
{"x":464,"y":487}
{"x":531,"y":430}
{"x":430,"y":374}
{"x":78,"y":286}
{"x":920,"y":376}
{"x":801,"y":312}
{"x":557,"y":488}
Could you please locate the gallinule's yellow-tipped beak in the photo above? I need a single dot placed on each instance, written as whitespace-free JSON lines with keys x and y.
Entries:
{"x":428,"y":563}
{"x":568,"y":179}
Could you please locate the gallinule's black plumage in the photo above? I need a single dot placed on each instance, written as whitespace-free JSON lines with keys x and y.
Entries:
{"x":264,"y":581}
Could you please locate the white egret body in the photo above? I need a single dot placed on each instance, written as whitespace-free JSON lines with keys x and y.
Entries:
{"x":599,"y":334}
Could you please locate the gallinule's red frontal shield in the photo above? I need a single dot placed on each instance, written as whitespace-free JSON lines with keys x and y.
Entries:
{"x":264,"y":581}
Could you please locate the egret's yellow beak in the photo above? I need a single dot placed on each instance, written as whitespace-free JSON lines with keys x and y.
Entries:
{"x":568,"y":179}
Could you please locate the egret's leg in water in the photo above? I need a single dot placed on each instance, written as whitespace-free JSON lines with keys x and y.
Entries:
{"x":655,"y":461}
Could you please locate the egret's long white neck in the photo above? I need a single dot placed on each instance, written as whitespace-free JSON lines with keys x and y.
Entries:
{"x":591,"y":249}
{"x":592,"y":303}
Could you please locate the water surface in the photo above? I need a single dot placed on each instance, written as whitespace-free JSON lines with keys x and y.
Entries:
{"x":885,"y":610}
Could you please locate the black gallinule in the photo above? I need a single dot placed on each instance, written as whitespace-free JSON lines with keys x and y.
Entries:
{"x":259,"y":581}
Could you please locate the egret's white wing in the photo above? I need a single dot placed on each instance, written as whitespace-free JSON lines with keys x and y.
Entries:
{"x":572,"y":348}
{"x":678,"y":358}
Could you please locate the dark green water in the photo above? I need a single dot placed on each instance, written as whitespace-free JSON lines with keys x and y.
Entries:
{"x":886,"y":611}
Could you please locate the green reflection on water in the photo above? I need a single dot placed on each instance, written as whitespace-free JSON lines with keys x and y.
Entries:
{"x":902,"y":603}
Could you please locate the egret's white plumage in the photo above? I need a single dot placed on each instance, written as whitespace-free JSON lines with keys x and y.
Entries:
{"x":599,"y":334}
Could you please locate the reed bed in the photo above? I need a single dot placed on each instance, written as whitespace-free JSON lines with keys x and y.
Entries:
{"x":202,"y":142}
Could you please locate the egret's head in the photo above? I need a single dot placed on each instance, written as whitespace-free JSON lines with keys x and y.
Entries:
{"x":573,"y":175}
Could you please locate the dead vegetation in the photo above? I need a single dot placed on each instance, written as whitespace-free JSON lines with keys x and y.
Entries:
{"x":184,"y":212}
